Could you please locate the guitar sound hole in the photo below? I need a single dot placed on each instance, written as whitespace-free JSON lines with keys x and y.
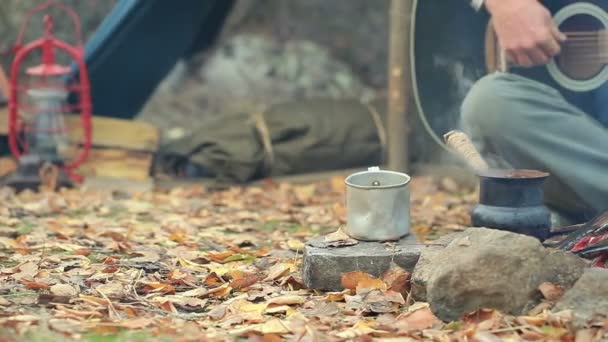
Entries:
{"x":585,"y":52}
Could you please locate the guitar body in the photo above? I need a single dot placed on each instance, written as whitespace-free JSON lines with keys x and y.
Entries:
{"x":580,"y":72}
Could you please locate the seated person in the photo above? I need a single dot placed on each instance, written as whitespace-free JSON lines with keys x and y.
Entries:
{"x":532,"y":125}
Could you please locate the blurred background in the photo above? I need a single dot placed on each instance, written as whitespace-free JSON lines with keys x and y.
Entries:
{"x":258,"y":53}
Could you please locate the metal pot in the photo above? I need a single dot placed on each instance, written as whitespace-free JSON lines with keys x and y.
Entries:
{"x":378,"y":205}
{"x":513,"y":200}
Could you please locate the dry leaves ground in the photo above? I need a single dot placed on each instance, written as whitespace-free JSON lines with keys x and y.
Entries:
{"x":191,"y":265}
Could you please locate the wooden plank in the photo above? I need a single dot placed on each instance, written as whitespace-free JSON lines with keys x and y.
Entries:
{"x":105,"y":163}
{"x":117,"y":164}
{"x":115,"y":184}
{"x":107,"y":132}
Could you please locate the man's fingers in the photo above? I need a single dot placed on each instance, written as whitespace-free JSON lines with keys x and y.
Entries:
{"x":561,"y":37}
{"x":537,"y":57}
{"x":521,"y":59}
{"x":551,"y":48}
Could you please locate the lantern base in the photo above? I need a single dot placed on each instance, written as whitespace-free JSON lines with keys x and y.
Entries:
{"x":27,"y":175}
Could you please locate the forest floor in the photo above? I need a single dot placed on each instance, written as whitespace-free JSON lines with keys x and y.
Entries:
{"x":190,"y":264}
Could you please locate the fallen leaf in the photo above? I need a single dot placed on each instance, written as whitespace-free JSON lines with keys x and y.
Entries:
{"x":484,"y":336}
{"x":277,"y":271}
{"x":146,"y":256}
{"x":323,"y":310}
{"x":213,"y":280}
{"x":295,"y":245}
{"x":531,"y":320}
{"x":353,"y":280}
{"x":337,"y":296}
{"x":250,"y":312}
{"x":181,"y":301}
{"x":365,"y":285}
{"x":287,"y":300}
{"x":275,"y":326}
{"x":242,"y":283}
{"x":277,"y":309}
{"x":33,"y":285}
{"x":418,"y":318}
{"x":304,"y":193}
{"x":217,"y":312}
{"x":150,"y":287}
{"x":397,"y":279}
{"x":359,"y":329}
{"x":339,"y":238}
{"x":66,"y":326}
{"x":9,"y":243}
{"x":27,"y":270}
{"x":219,"y":257}
{"x":338,"y":185}
{"x":202,"y":292}
{"x":137,"y":323}
{"x":550,"y":291}
{"x":65,"y":290}
{"x":111,"y":290}
{"x":82,"y":251}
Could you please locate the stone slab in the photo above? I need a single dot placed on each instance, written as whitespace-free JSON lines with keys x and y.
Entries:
{"x":323,"y":264}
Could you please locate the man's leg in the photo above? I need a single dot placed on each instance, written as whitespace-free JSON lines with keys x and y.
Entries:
{"x":530,"y":125}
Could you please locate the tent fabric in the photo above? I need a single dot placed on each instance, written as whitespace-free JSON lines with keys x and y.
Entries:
{"x":306,"y":136}
{"x":138,"y":44}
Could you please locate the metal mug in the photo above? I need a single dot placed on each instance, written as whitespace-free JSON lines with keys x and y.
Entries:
{"x":377,"y":205}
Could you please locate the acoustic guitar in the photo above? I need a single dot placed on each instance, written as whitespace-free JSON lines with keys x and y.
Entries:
{"x":452,"y":47}
{"x":582,"y":64}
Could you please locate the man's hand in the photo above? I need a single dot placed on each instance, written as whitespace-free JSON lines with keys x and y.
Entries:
{"x":526,"y":31}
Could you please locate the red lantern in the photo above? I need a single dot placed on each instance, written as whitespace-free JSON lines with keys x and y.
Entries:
{"x":37,"y":108}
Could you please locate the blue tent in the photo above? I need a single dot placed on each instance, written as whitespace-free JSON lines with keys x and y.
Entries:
{"x":138,"y":44}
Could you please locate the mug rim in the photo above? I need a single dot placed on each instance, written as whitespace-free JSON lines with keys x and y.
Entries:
{"x":407,"y":180}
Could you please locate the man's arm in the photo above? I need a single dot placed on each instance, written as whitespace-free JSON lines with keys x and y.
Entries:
{"x":525,"y":29}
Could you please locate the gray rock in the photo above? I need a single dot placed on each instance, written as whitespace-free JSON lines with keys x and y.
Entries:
{"x":486,"y":268}
{"x":324,"y":265}
{"x":422,"y":271}
{"x":588,"y":297}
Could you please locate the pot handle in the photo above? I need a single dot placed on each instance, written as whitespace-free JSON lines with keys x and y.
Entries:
{"x":463,"y":146}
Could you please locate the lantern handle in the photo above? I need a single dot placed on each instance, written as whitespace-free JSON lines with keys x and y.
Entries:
{"x":45,"y":6}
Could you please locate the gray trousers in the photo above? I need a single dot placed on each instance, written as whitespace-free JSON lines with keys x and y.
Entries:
{"x":521,"y":123}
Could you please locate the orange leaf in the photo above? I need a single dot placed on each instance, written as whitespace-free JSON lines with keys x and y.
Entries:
{"x":262,"y":251}
{"x":221,"y":293}
{"x":220,"y":256}
{"x":213,"y":280}
{"x":114,"y":236}
{"x":351,"y":280}
{"x":110,"y":269}
{"x":370,"y":284}
{"x":178,"y":237}
{"x":480,"y":316}
{"x":397,"y":279}
{"x":33,"y":285}
{"x":238,"y":274}
{"x":337,"y":184}
{"x":158,"y":287}
{"x":422,"y":318}
{"x":337,"y":296}
{"x":82,"y":251}
{"x":242,"y":283}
